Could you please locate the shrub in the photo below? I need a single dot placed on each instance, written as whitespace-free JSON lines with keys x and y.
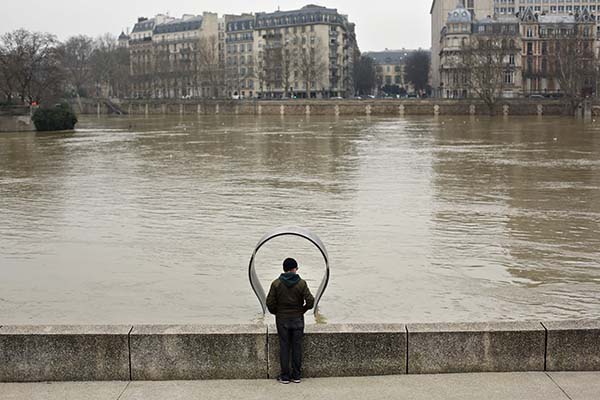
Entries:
{"x":59,"y":118}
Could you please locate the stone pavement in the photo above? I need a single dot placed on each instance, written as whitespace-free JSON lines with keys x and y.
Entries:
{"x":492,"y":386}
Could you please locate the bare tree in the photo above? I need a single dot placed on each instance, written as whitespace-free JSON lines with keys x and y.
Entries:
{"x":260,"y":73}
{"x":160,"y":73}
{"x":76,"y":54}
{"x":312,"y":64}
{"x":26,"y":60}
{"x":48,"y":83}
{"x":6,"y":83}
{"x":210,"y":67}
{"x":289,"y":58}
{"x":573,"y":62}
{"x":110,"y":66}
{"x":483,"y":63}
{"x":271,"y":62}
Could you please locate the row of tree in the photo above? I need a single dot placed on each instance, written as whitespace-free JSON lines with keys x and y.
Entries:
{"x":37,"y":68}
{"x":487,"y":66}
{"x":282,"y":66}
{"x":285,"y":62}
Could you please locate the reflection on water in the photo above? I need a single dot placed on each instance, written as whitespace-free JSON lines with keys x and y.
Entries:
{"x":153,"y":220}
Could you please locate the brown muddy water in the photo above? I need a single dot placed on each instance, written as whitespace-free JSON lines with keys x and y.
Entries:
{"x":153,"y":220}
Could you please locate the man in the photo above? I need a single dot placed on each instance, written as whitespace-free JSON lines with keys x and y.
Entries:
{"x":289,"y":299}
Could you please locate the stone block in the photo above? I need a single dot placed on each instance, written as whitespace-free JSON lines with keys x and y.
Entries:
{"x":191,"y":352}
{"x":64,"y":353}
{"x":573,"y":345}
{"x":478,"y":347}
{"x":347,"y":350}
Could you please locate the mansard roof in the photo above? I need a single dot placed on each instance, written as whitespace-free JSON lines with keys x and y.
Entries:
{"x":144,"y":24}
{"x":309,"y":14}
{"x":556,"y":19}
{"x":389,"y":57}
{"x":180,"y":25}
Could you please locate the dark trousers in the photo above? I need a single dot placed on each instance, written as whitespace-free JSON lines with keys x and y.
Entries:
{"x":291,"y":333}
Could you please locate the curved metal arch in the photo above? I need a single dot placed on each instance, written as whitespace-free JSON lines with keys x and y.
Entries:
{"x":287,"y":231}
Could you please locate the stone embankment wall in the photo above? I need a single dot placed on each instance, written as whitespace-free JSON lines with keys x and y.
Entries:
{"x":15,"y":119}
{"x":329,"y":107}
{"x":123,"y":353}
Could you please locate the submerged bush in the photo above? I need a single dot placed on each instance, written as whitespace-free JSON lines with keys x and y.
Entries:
{"x":59,"y":118}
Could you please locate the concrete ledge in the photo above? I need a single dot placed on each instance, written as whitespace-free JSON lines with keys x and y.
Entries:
{"x":64,"y":353}
{"x":573,"y":346}
{"x":198,"y":352}
{"x":479,"y":347}
{"x":109,"y":353}
{"x":347,"y":350}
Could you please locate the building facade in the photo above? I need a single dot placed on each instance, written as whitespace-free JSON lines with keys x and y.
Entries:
{"x":498,"y":9}
{"x":305,"y":53}
{"x":439,"y":13}
{"x":463,"y":34}
{"x":542,"y":35}
{"x":391,"y":67}
{"x":174,"y":57}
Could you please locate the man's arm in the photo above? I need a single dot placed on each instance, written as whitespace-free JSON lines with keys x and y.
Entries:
{"x":272,"y":299}
{"x":309,"y":300}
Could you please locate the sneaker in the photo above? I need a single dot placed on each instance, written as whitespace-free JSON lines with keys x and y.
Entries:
{"x":296,"y":380}
{"x":284,"y":381}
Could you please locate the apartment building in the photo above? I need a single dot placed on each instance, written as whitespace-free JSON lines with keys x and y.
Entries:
{"x":391,"y":67}
{"x":545,"y":6}
{"x":479,"y":9}
{"x":305,"y":53}
{"x":462,"y":30}
{"x":439,"y":13}
{"x":528,"y":43}
{"x":541,"y":35}
{"x":175,"y":57}
{"x":240,"y":56}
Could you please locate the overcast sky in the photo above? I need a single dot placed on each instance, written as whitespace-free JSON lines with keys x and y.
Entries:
{"x":380,"y":24}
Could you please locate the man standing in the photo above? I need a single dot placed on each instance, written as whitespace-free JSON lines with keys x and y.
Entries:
{"x":289,"y":299}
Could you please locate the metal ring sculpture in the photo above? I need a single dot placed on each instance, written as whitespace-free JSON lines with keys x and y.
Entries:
{"x":291,"y":231}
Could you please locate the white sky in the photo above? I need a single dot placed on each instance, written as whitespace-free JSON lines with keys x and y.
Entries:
{"x":380,"y":24}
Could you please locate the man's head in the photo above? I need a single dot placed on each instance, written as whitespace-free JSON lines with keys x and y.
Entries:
{"x":290,"y":265}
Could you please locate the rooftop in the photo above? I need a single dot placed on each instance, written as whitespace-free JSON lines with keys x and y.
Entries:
{"x":459,"y":15}
{"x":186,"y":23}
{"x":393,"y":57}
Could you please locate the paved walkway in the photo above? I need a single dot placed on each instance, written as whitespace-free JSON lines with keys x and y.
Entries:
{"x":518,"y":386}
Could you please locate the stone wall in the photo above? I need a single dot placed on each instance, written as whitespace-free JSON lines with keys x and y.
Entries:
{"x":16,"y":119}
{"x":83,"y":353}
{"x":20,"y":123}
{"x":330,"y":107}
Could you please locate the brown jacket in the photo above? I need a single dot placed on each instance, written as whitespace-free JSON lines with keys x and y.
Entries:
{"x":289,"y":297}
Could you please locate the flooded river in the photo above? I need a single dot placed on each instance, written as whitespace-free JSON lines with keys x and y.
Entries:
{"x":134,"y":220}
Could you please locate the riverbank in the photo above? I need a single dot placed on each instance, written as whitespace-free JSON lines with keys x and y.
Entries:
{"x":16,"y":119}
{"x":512,"y":386}
{"x":163,"y":353}
{"x":374,"y":107}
